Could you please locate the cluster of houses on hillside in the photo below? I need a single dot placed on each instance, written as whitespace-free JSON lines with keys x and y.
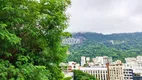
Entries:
{"x":103,"y":68}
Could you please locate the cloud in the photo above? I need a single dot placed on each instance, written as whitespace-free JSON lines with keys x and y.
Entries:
{"x":105,"y":16}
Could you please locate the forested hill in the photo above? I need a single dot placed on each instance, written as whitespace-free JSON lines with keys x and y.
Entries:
{"x":117,"y":46}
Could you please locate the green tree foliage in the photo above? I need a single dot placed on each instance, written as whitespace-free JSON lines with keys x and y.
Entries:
{"x":30,"y":39}
{"x":68,"y":78}
{"x":79,"y":75}
{"x":124,"y":45}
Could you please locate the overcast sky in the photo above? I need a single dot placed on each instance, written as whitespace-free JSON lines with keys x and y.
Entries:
{"x":105,"y":16}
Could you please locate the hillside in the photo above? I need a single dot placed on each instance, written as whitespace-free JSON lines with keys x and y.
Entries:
{"x":117,"y":46}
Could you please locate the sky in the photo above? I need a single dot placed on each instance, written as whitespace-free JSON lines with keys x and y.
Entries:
{"x":105,"y":16}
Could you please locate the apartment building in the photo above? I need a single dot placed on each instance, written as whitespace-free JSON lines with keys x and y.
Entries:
{"x":135,"y":64}
{"x":116,"y":71}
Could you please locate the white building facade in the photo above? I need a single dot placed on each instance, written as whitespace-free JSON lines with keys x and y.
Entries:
{"x":101,"y":61}
{"x":135,"y":64}
{"x":99,"y":73}
{"x":83,"y":60}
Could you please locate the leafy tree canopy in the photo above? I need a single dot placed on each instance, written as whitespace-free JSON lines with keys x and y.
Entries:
{"x":79,"y":75}
{"x":30,"y":39}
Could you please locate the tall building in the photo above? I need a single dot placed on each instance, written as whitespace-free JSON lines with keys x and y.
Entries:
{"x":116,"y":71}
{"x":83,"y":60}
{"x":99,"y":73}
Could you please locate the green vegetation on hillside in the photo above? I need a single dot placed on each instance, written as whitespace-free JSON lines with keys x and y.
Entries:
{"x":79,"y":75}
{"x":117,"y":46}
{"x":30,"y":39}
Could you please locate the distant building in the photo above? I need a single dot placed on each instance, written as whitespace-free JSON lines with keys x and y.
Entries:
{"x":83,"y":60}
{"x":68,"y":67}
{"x":71,"y":41}
{"x":135,"y":64}
{"x":107,"y":59}
{"x":72,"y":66}
{"x":101,"y":61}
{"x":99,"y":73}
{"x":116,"y":71}
{"x":87,"y":59}
{"x":119,"y":72}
